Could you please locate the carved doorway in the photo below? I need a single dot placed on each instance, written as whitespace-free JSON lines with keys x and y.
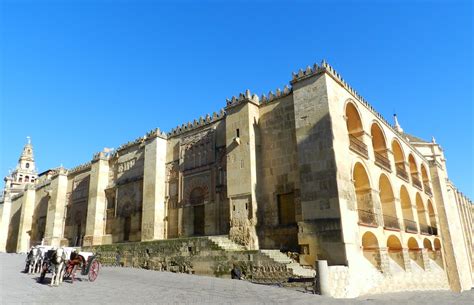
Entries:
{"x":127,"y":228}
{"x":199,"y":220}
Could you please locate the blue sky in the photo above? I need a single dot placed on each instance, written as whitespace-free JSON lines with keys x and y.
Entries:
{"x":80,"y":75}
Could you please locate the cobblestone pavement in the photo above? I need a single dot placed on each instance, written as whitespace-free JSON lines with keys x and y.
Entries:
{"x":135,"y":286}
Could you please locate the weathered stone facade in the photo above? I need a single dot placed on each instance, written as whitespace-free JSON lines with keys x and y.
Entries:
{"x":312,"y":169}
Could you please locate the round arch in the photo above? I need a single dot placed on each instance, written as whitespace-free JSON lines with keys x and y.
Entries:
{"x":353,"y":120}
{"x":437,"y":244}
{"x":412,"y":163}
{"x":197,"y":196}
{"x":421,"y":213}
{"x":371,"y":249}
{"x":370,"y":241}
{"x":387,"y":200}
{"x":399,"y":157}
{"x":432,"y":216}
{"x":427,"y":244}
{"x":414,"y":170}
{"x":424,"y":174}
{"x":393,"y":243}
{"x":379,"y":143}
{"x":407,"y":212}
{"x":363,"y":192}
{"x":412,"y":244}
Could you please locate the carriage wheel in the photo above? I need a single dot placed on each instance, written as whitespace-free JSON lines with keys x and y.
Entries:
{"x":94,"y":270}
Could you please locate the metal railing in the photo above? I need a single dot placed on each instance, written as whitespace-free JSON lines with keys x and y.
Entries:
{"x":401,"y":172}
{"x":427,"y":189}
{"x":367,"y":218}
{"x":416,"y":182}
{"x":391,"y":222}
{"x":410,"y":226}
{"x":358,"y":146}
{"x":433,"y":230}
{"x":425,"y":229}
{"x":382,"y":161}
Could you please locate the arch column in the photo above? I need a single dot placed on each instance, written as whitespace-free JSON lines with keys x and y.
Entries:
{"x":398,"y":210}
{"x":426,"y":259}
{"x":406,"y":259}
{"x":367,"y":139}
{"x":377,"y":206}
{"x":384,"y":260}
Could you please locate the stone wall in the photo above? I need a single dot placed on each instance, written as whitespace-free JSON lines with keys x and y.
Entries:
{"x":192,"y":255}
{"x":278,"y":176}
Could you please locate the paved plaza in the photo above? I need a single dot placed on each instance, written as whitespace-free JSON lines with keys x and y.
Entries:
{"x":136,"y":286}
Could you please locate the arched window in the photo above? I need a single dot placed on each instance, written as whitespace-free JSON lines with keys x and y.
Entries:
{"x":426,"y":180}
{"x":437,"y":255}
{"x":27,"y":179}
{"x":364,"y":196}
{"x":379,"y":146}
{"x":427,"y":244}
{"x":395,"y":250}
{"x":387,"y":199}
{"x":408,"y":218}
{"x":420,"y":209}
{"x":197,"y":196}
{"x":415,"y":252}
{"x":414,"y":171}
{"x":355,"y":131}
{"x":432,"y":215}
{"x":399,"y":160}
{"x":371,"y":249}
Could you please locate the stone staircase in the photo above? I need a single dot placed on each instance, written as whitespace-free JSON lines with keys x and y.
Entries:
{"x":224,"y":243}
{"x":282,"y":258}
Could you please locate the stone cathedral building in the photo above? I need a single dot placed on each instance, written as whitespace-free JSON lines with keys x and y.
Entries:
{"x":312,"y":169}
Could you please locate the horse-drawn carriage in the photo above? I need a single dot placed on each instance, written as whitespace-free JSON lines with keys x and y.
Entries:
{"x":63,"y":263}
{"x":85,"y":261}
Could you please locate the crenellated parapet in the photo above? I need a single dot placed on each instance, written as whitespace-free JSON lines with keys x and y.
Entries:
{"x":154,"y":133}
{"x":202,"y":121}
{"x":80,"y":168}
{"x":325,"y":67}
{"x":58,"y":171}
{"x":270,"y":97}
{"x":245,"y":97}
{"x":42,"y":184}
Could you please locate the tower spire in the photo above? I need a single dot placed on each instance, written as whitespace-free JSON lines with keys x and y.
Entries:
{"x":25,"y":171}
{"x":396,"y":125}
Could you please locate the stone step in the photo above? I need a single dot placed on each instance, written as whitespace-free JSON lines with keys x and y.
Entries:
{"x":225,"y":243}
{"x":295,"y":267}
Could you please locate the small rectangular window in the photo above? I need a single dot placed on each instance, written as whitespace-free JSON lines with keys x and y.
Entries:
{"x":237,"y":132}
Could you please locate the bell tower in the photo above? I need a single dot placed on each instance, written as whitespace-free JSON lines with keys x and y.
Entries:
{"x":25,"y":171}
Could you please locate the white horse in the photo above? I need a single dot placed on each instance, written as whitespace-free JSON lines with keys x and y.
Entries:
{"x":58,"y":262}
